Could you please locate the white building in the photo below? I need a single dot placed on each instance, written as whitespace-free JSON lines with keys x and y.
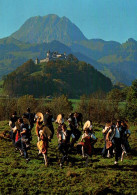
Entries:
{"x":51,"y":56}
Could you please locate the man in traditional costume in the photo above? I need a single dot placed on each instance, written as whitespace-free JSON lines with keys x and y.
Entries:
{"x":48,"y":119}
{"x":21,"y":143}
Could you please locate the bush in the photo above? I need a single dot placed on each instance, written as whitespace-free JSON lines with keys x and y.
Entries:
{"x":99,"y":110}
{"x":26,"y":101}
{"x":60,"y":105}
{"x":7,"y":107}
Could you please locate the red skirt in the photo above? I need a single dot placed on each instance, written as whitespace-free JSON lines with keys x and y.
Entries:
{"x":87,"y":145}
{"x":17,"y":136}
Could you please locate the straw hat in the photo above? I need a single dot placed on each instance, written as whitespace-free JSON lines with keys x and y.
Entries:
{"x":87,"y":125}
{"x":59,"y":119}
{"x":108,"y":124}
{"x":39,"y":116}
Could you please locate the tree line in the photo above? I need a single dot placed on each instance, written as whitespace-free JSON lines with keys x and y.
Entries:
{"x":98,"y":107}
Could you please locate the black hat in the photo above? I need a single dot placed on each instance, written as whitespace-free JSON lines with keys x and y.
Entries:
{"x":14,"y":113}
{"x":48,"y":110}
{"x":28,"y":109}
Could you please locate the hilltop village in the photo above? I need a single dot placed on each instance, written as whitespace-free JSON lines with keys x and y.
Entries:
{"x":51,"y":56}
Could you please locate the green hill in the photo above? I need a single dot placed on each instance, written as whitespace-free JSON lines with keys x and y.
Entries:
{"x":70,"y":77}
{"x":119,"y":61}
{"x":14,"y":53}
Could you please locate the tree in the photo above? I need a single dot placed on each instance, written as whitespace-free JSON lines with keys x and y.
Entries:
{"x":26,"y":101}
{"x":132,"y":102}
{"x":115,"y":95}
{"x":82,"y":107}
{"x":60,"y":105}
{"x":7,"y":107}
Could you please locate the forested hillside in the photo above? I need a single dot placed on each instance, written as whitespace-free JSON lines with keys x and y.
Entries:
{"x":70,"y":77}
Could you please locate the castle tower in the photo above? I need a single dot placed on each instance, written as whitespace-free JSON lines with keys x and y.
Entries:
{"x":48,"y":54}
{"x":37,"y":61}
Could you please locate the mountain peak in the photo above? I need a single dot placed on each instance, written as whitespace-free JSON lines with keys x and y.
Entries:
{"x":131,"y":40}
{"x":51,"y":16}
{"x":65,"y":18}
{"x":48,"y":28}
{"x":130,"y":43}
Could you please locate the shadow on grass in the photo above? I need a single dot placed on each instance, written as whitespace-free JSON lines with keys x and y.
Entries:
{"x":6,"y":139}
{"x":133,"y":152}
{"x":118,"y":167}
{"x":106,"y":191}
{"x":97,"y":151}
{"x":70,"y":161}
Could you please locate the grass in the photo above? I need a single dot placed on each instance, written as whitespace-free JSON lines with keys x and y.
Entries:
{"x":74,"y":103}
{"x":100,"y":177}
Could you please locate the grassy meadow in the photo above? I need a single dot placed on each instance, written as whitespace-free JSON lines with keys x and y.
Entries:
{"x":74,"y":103}
{"x":100,"y":177}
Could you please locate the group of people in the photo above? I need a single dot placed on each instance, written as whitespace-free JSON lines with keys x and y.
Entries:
{"x":20,"y":132}
{"x":68,"y":134}
{"x":67,"y":138}
{"x":116,"y":140}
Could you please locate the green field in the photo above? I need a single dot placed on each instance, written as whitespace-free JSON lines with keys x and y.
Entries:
{"x":74,"y":103}
{"x":100,"y":177}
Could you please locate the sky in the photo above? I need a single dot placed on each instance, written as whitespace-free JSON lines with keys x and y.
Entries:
{"x":104,"y":19}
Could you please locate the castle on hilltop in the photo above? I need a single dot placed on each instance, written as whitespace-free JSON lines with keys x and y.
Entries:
{"x":51,"y":56}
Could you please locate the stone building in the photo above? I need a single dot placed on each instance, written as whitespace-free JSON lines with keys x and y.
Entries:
{"x":51,"y":56}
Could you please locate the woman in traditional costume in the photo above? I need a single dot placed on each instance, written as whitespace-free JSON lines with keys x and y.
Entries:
{"x":45,"y":136}
{"x":39,"y":123}
{"x":87,"y":141}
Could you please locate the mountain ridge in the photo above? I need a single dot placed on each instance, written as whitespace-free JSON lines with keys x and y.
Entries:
{"x":115,"y":60}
